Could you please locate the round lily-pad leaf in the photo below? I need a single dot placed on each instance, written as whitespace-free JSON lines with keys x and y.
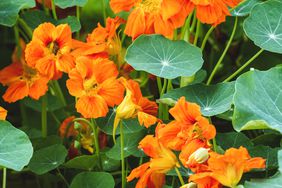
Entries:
{"x":15,"y":147}
{"x":9,"y":10}
{"x":69,"y":3}
{"x":93,"y":180}
{"x":258,"y":100}
{"x":164,"y":58}
{"x":245,"y":7}
{"x":213,"y":99}
{"x":264,"y":25}
{"x":47,"y":159}
{"x":84,"y":162}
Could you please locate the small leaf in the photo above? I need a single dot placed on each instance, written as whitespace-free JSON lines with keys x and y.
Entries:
{"x":233,"y":139}
{"x":9,"y":10}
{"x":47,"y":159}
{"x":273,"y":182}
{"x":264,"y":25}
{"x":93,"y":180}
{"x":69,"y":3}
{"x":162,"y":57}
{"x":213,"y":100}
{"x":84,"y":162}
{"x":245,"y":7}
{"x":15,"y":147}
{"x":131,"y":142}
{"x":258,"y":100}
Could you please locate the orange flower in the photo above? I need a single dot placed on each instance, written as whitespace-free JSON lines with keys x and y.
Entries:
{"x":152,"y":173}
{"x":95,"y":85}
{"x":211,"y":11}
{"x":151,"y":16}
{"x":189,"y":124}
{"x":3,"y":113}
{"x":67,"y":128}
{"x":134,"y":104}
{"x":229,"y":168}
{"x":47,"y":3}
{"x":22,"y":80}
{"x":49,"y":50}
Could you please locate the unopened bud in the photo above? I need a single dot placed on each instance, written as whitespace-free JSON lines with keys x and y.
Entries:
{"x":189,"y":185}
{"x":201,"y":155}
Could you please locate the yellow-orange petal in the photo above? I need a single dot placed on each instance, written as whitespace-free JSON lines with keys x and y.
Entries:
{"x":38,"y":88}
{"x":146,"y":119}
{"x":135,"y":23}
{"x":3,"y":113}
{"x":16,"y":91}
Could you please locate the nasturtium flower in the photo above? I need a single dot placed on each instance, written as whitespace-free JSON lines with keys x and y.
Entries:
{"x":229,"y":168}
{"x":211,"y":11}
{"x":94,"y":83}
{"x":50,"y":50}
{"x":3,"y":113}
{"x":21,"y":79}
{"x":151,"y":16}
{"x":135,"y":105}
{"x":152,"y":173}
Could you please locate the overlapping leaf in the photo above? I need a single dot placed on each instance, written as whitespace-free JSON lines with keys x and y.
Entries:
{"x":69,"y":3}
{"x":245,"y":7}
{"x":93,"y":180}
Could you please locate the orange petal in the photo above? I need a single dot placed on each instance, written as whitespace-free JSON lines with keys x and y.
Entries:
{"x":138,"y":172}
{"x":38,"y":88}
{"x":10,"y":73}
{"x":146,"y":119}
{"x":122,"y":5}
{"x":135,"y":23}
{"x":75,"y":84}
{"x":65,"y":63}
{"x":104,"y":69}
{"x":40,"y":33}
{"x":16,"y":91}
{"x":3,"y":113}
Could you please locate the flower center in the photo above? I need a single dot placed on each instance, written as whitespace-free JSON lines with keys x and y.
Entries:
{"x":54,"y":47}
{"x":90,"y":84}
{"x":151,"y":6}
{"x":29,"y":73}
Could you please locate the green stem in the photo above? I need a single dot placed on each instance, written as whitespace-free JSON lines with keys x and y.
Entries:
{"x":44,"y":8}
{"x":244,"y":66}
{"x":197,"y":32}
{"x":104,"y":11}
{"x":54,"y":10}
{"x":214,"y":145}
{"x":186,"y":27}
{"x":63,"y":178}
{"x":25,"y":27}
{"x":44,"y":116}
{"x":96,"y":141}
{"x":164,"y":87}
{"x":122,"y":155}
{"x":159,"y":82}
{"x":206,"y":38}
{"x":224,"y":52}
{"x":58,"y":92}
{"x":179,"y":176}
{"x":4,"y":177}
{"x":78,"y":19}
{"x":193,"y":22}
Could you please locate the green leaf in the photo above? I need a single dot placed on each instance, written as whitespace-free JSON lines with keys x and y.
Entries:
{"x":129,"y":125}
{"x":162,"y":57}
{"x":258,"y":100}
{"x":268,"y":139}
{"x":53,"y":103}
{"x":109,"y":164}
{"x":9,"y":10}
{"x":47,"y":159}
{"x":15,"y":147}
{"x":36,"y":17}
{"x":84,"y":162}
{"x":40,"y":143}
{"x":273,"y":182}
{"x":69,"y":3}
{"x":213,"y":99}
{"x":264,"y":25}
{"x":233,"y":139}
{"x":131,"y":142}
{"x":245,"y":8}
{"x":93,"y":180}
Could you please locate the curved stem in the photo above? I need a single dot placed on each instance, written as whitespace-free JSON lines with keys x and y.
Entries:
{"x":104,"y":11}
{"x":164,"y":87}
{"x":186,"y":27}
{"x":59,"y":92}
{"x":25,"y":27}
{"x":244,"y":66}
{"x":197,"y":32}
{"x":54,"y":10}
{"x":179,"y":176}
{"x":224,"y":52}
{"x":63,"y":178}
{"x":193,"y":22}
{"x":207,"y":37}
{"x":96,"y":141}
{"x":122,"y":156}
{"x":44,"y":116}
{"x":4,"y":177}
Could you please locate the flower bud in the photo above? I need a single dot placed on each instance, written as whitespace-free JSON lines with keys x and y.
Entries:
{"x":189,"y":185}
{"x":201,"y":155}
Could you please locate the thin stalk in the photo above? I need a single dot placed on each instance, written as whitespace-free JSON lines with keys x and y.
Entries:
{"x":54,"y":10}
{"x":78,"y":19}
{"x":122,"y":156}
{"x":164,"y":87}
{"x":4,"y":178}
{"x":179,"y":176}
{"x":207,"y":37}
{"x":186,"y":27}
{"x":44,"y":8}
{"x":25,"y":27}
{"x":44,"y":116}
{"x":244,"y":66}
{"x":159,"y":82}
{"x":197,"y":32}
{"x":63,"y":178}
{"x":104,"y":11}
{"x":58,"y":92}
{"x":224,"y":52}
{"x":193,"y":22}
{"x":96,"y":141}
